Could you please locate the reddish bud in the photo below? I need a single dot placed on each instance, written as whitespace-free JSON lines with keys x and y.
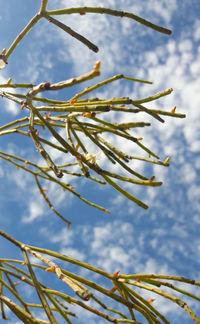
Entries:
{"x":72,"y":102}
{"x":173,"y":110}
{"x":112,"y":290}
{"x":46,"y":116}
{"x":16,"y":283}
{"x":116,"y":274}
{"x":107,"y":211}
{"x":151,"y":300}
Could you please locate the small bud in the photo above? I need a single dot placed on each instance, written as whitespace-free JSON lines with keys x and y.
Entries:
{"x":46,"y":85}
{"x":151,"y":300}
{"x":87,"y":115}
{"x":112,"y":290}
{"x":79,"y":157}
{"x":151,"y":179}
{"x":16,"y":283}
{"x":116,"y":274}
{"x":72,"y":102}
{"x":167,"y":160}
{"x":3,"y":61}
{"x":46,"y":116}
{"x":92,"y":157}
{"x":9,"y":81}
{"x":173,"y":110}
{"x":97,"y":67}
{"x":23,"y":105}
{"x":51,"y":269}
{"x":60,"y":174}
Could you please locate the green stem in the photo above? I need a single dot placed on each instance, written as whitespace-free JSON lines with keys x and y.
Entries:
{"x":153,"y":276}
{"x":144,"y":301}
{"x":15,"y":122}
{"x":150,"y":112}
{"x":21,"y":35}
{"x":135,"y":181}
{"x":70,"y":31}
{"x":39,"y":290}
{"x":108,"y":11}
{"x":59,"y":309}
{"x":15,"y":294}
{"x":165,"y":294}
{"x":17,"y":85}
{"x":11,"y":96}
{"x":50,"y":204}
{"x":123,"y":192}
{"x":81,"y":304}
{"x":168,"y":113}
{"x":43,"y":6}
{"x":44,"y":154}
{"x":152,"y":98}
{"x":107,"y":81}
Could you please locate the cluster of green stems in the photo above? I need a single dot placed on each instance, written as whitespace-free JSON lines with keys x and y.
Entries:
{"x":118,"y":290}
{"x":84,"y":123}
{"x":82,"y":118}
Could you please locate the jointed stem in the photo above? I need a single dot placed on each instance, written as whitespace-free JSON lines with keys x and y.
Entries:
{"x":108,"y":11}
{"x":43,"y":6}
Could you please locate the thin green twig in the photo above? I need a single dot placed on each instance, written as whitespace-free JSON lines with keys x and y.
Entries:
{"x":108,"y":11}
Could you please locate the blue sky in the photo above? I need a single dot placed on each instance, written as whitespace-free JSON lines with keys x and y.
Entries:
{"x":165,"y":238}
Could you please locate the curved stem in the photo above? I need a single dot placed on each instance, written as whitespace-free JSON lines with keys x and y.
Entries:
{"x":108,"y":11}
{"x":23,"y":33}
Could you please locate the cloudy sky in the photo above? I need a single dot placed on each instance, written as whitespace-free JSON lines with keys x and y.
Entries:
{"x":163,"y":239}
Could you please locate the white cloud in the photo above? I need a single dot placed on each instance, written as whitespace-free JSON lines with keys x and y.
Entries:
{"x":65,"y":237}
{"x":34,"y":212}
{"x":73,"y":253}
{"x":10,"y":106}
{"x":197,"y":30}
